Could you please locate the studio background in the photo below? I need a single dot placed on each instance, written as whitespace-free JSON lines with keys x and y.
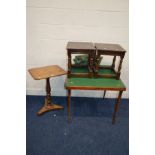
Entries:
{"x":52,"y":23}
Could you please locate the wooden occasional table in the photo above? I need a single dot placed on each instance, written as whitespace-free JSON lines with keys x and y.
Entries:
{"x":45,"y":73}
{"x":86,"y":48}
{"x":95,"y":84}
{"x":114,"y":50}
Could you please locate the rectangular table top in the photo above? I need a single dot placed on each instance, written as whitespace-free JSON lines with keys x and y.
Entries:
{"x":46,"y":72}
{"x":109,"y":47}
{"x":94,"y":84}
{"x":80,"y":46}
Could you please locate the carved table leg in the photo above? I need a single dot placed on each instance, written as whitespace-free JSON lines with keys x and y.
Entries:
{"x":117,"y":106}
{"x":69,"y":105}
{"x":48,"y":106}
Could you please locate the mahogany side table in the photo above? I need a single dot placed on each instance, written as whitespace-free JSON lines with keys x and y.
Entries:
{"x":45,"y":73}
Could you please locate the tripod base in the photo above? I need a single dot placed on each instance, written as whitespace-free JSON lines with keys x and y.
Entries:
{"x":49,"y":107}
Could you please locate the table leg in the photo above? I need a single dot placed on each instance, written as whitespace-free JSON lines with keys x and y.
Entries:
{"x":117,"y":106}
{"x":69,"y":105}
{"x":48,"y":105}
{"x":104,"y":94}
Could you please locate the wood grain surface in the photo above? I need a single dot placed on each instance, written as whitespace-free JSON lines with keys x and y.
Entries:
{"x":46,"y":72}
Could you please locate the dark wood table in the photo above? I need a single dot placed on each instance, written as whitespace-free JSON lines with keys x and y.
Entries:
{"x":86,"y":48}
{"x":45,"y":73}
{"x":103,"y":84}
{"x":114,"y":50}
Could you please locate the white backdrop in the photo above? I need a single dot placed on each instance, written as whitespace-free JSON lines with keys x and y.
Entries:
{"x":52,"y":23}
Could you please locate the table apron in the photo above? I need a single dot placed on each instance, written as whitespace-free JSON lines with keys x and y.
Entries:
{"x":94,"y":88}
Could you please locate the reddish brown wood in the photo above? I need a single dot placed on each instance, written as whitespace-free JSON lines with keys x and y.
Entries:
{"x":117,"y":106}
{"x":81,"y":48}
{"x":111,"y":50}
{"x":113,"y":63}
{"x":80,"y":75}
{"x":119,"y":67}
{"x":105,"y":67}
{"x":104,"y":94}
{"x":91,"y":66}
{"x":69,"y":88}
{"x":48,"y":105}
{"x":69,"y":105}
{"x":48,"y":91}
{"x":45,"y":73}
{"x":69,"y":64}
{"x":94,"y":88}
{"x":108,"y":48}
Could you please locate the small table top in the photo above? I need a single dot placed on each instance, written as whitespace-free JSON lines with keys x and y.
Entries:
{"x":80,"y":46}
{"x":94,"y":84}
{"x":46,"y":72}
{"x":109,"y":47}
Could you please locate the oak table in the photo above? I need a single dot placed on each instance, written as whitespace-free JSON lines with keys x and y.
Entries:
{"x":105,"y":84}
{"x":45,"y":73}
